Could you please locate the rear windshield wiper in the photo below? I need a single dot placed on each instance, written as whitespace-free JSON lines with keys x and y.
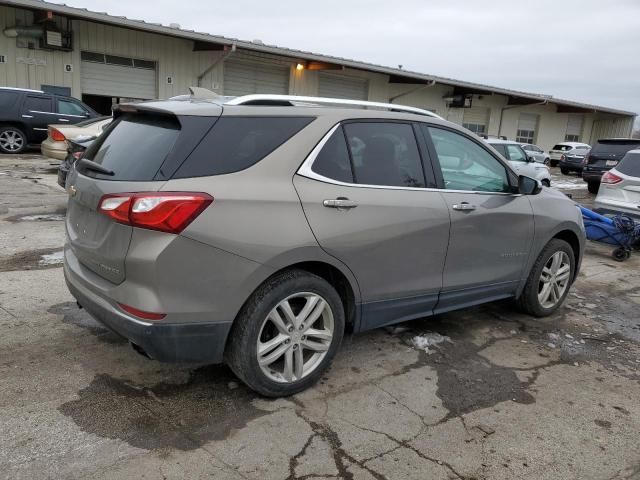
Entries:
{"x":96,"y":167}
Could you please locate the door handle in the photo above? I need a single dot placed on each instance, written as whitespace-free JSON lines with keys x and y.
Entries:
{"x":340,"y":203}
{"x":63,"y":120}
{"x":27,"y":116}
{"x":464,"y":206}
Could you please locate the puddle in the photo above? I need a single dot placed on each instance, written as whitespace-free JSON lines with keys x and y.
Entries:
{"x":166,"y":415}
{"x":56,"y":216}
{"x":73,"y":315}
{"x":32,"y":260}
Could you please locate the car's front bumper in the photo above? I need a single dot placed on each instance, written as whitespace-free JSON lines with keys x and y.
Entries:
{"x":201,"y":342}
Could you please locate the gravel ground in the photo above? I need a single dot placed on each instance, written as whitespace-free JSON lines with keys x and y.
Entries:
{"x":480,"y":393}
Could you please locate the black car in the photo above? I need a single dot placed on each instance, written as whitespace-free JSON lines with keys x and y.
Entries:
{"x":603,"y":156}
{"x":75,"y":150}
{"x":25,"y":115}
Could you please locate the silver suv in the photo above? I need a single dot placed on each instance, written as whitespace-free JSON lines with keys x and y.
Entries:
{"x":255,"y":231}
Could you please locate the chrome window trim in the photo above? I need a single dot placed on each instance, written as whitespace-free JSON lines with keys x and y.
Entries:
{"x":306,"y":171}
{"x":58,"y":114}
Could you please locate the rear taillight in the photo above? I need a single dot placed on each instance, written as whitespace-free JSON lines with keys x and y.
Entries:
{"x":56,"y":135}
{"x":610,"y":178}
{"x":585,"y":160}
{"x":168,"y":212}
{"x":562,"y":157}
{"x":141,"y":313}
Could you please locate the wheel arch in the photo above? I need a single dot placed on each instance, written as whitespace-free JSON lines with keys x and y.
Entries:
{"x":573,"y":240}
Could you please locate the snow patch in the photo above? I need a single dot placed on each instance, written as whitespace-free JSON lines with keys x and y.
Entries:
{"x":429,"y":339}
{"x":54,"y":258}
{"x":43,"y":217}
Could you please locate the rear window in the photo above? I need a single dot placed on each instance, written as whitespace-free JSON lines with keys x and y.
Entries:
{"x":237,"y":143}
{"x":619,"y":147}
{"x":135,"y":147}
{"x":562,"y":147}
{"x":630,"y":165}
{"x":8,"y":99}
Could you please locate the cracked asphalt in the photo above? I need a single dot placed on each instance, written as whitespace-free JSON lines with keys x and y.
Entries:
{"x":504,"y":396}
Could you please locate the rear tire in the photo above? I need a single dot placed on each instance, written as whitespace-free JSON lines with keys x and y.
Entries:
{"x":12,"y":140}
{"x":271,"y":349}
{"x":593,"y":187}
{"x":549,"y":280}
{"x":565,"y":171}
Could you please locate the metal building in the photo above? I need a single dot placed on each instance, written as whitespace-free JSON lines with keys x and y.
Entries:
{"x":104,"y":59}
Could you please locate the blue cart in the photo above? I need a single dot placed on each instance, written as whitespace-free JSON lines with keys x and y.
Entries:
{"x":619,"y":230}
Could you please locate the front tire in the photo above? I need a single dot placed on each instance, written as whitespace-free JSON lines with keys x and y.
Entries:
{"x":546,"y":182}
{"x":549,"y":280}
{"x":286,"y":334}
{"x":12,"y":140}
{"x":565,"y":171}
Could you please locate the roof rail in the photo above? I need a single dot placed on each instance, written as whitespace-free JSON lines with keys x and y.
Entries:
{"x":263,"y":99}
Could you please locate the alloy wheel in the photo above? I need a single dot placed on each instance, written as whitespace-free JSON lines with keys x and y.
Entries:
{"x":11,"y":141}
{"x":295,"y":337}
{"x":554,"y":279}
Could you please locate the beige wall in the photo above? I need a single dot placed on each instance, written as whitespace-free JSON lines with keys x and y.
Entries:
{"x":175,"y":58}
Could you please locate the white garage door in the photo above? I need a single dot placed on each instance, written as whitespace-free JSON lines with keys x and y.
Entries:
{"x":118,"y":76}
{"x":574,"y":128}
{"x":476,"y":119}
{"x":246,"y":77}
{"x":341,"y":86}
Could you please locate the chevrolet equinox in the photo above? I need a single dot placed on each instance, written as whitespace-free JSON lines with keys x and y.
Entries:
{"x":254,"y":231}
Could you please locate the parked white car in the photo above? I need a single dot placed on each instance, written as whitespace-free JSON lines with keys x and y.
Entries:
{"x":620,"y":187}
{"x":536,"y":153}
{"x":564,"y":148}
{"x":516,"y":156}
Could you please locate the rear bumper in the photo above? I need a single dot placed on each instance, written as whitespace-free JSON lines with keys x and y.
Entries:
{"x":201,"y":342}
{"x":576,"y":167}
{"x":57,"y":150}
{"x":592,"y":176}
{"x":610,"y":206}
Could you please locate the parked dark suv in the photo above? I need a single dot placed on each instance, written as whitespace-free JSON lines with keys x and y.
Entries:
{"x":605,"y":155}
{"x":25,"y":115}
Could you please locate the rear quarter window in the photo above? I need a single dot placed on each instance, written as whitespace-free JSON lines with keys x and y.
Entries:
{"x":237,"y":143}
{"x":8,"y":99}
{"x":630,"y":165}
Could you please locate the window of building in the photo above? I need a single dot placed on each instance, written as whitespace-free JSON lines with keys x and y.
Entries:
{"x":465,"y":165}
{"x":476,"y":128}
{"x":384,"y":154}
{"x":571,"y":138}
{"x":527,"y":125}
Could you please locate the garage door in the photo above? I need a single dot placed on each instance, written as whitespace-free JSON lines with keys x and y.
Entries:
{"x":476,"y":119}
{"x":246,"y":77}
{"x":341,"y":86}
{"x":574,"y":128}
{"x":114,"y":76}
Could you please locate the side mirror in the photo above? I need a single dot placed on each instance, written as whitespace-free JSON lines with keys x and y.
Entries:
{"x":528,"y":185}
{"x":530,"y":158}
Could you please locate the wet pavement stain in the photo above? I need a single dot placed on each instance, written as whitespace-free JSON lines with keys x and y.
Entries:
{"x":180,"y":416}
{"x":32,"y":260}
{"x":57,"y":215}
{"x":73,"y":315}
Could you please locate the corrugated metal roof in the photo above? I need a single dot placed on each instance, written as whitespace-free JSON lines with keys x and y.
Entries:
{"x":103,"y":17}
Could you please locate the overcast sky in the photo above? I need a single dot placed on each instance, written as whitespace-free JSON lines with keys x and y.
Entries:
{"x":584,"y":50}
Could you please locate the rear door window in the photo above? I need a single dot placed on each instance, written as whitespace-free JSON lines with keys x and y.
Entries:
{"x":384,"y":153}
{"x":35,"y":103}
{"x":630,"y":165}
{"x":562,"y":147}
{"x":135,"y":147}
{"x":237,"y":143}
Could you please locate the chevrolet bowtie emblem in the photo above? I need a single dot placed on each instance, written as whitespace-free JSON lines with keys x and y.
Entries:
{"x":73,"y":190}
